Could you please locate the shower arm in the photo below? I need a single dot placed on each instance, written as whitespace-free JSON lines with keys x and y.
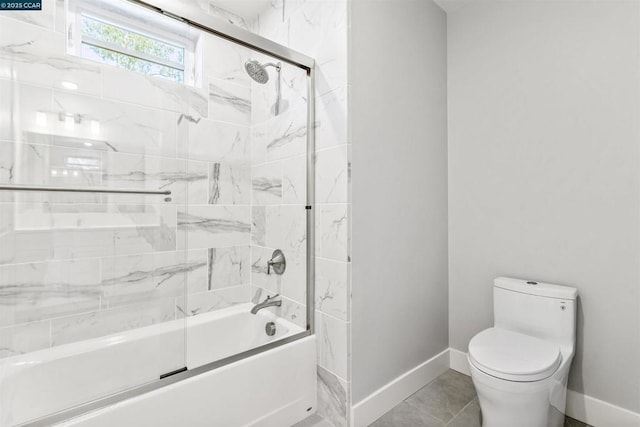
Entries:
{"x":278,"y":67}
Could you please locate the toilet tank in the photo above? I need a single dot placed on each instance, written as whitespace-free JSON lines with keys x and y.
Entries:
{"x":534,"y":308}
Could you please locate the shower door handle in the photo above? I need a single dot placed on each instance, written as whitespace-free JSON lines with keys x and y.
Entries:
{"x":278,"y":262}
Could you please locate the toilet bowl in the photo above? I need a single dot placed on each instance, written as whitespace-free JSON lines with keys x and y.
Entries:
{"x":521,"y":365}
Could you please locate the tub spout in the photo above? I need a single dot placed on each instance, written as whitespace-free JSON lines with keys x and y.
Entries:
{"x":269,"y":302}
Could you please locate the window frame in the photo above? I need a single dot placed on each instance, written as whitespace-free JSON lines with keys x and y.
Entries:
{"x":162,"y":28}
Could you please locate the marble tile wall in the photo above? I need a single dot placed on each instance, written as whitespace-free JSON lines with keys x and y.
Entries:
{"x":79,"y":266}
{"x":318,"y":28}
{"x":279,"y":194}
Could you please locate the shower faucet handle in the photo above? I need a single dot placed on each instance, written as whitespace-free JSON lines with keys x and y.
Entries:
{"x":278,"y":262}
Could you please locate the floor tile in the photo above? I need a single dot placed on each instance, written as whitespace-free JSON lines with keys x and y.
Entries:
{"x":405,"y":415}
{"x":314,"y":420}
{"x":469,"y":417}
{"x":444,"y":397}
{"x":570,"y":422}
{"x":448,"y":401}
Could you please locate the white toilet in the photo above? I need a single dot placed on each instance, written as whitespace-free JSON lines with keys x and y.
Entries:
{"x":521,"y":365}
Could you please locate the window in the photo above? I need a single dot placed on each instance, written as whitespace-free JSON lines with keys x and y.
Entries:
{"x":114,"y":45}
{"x":129,"y":37}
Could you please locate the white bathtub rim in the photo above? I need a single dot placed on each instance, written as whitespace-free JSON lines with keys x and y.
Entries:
{"x":85,"y":346}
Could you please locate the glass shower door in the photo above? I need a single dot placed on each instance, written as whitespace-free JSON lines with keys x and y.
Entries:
{"x":254,"y":144}
{"x":153,"y":203}
{"x":91,"y":267}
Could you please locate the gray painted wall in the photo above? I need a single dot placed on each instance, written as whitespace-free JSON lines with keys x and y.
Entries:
{"x":544,"y":172}
{"x":398,"y":119}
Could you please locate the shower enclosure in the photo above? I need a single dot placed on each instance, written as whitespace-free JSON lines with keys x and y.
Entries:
{"x":146,"y":182}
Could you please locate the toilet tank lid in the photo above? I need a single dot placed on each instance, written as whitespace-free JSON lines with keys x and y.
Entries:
{"x":533,"y":287}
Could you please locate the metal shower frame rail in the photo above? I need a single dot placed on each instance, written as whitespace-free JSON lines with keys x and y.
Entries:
{"x":19,"y":187}
{"x":221,"y":28}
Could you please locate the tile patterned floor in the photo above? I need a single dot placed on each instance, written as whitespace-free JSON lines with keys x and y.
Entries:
{"x":313,"y":421}
{"x":448,"y":401}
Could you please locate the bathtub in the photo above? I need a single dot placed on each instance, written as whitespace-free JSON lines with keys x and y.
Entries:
{"x":274,"y":387}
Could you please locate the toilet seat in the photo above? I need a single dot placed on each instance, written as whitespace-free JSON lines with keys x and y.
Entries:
{"x":513,"y":356}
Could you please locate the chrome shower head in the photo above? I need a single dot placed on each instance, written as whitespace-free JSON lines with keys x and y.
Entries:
{"x":258,"y":72}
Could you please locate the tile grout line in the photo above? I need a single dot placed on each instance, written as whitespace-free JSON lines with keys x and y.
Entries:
{"x":444,"y":423}
{"x":461,"y":410}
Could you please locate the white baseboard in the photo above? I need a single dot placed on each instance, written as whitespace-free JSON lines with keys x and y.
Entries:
{"x":384,"y":399}
{"x":583,"y":408}
{"x":598,"y":413}
{"x":459,"y":361}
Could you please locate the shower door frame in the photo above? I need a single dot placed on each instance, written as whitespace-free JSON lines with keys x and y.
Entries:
{"x":221,"y":28}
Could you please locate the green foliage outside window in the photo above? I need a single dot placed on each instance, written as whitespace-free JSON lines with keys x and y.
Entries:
{"x":111,"y":36}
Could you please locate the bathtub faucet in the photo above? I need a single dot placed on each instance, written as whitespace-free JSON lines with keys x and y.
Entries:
{"x":269,"y":302}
